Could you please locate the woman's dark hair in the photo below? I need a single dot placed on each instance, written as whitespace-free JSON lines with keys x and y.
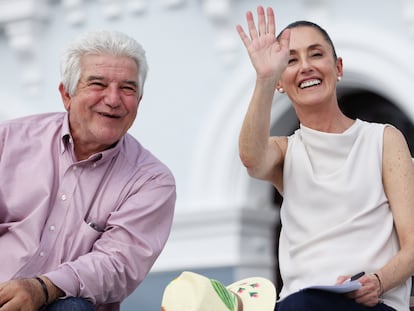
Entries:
{"x":303,"y":23}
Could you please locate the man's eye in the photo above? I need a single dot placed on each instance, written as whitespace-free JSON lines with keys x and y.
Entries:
{"x":128,"y":90}
{"x":318,"y":54}
{"x":292,"y":60}
{"x":97,"y":84}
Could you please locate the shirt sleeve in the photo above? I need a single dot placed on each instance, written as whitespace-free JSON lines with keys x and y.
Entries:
{"x":124,"y":254}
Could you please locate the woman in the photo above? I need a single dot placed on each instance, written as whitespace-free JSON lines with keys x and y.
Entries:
{"x":346,"y":184}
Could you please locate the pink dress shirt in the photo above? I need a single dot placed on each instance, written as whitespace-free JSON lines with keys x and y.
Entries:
{"x":94,"y":227}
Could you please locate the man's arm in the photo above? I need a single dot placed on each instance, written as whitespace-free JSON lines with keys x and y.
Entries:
{"x":118,"y":261}
{"x":122,"y":257}
{"x":27,"y":294}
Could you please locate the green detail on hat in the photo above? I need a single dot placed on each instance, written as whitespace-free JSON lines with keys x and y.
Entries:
{"x":228,"y":298}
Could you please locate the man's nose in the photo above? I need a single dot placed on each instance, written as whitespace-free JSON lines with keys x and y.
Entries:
{"x":113,"y":96}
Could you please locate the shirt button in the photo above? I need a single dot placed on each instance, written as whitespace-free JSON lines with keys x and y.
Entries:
{"x":52,"y":228}
{"x":75,"y":167}
{"x":63,"y":197}
{"x":41,"y":254}
{"x":94,"y":165}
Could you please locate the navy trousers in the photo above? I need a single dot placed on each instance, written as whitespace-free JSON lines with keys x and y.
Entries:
{"x":70,"y":304}
{"x":317,"y":300}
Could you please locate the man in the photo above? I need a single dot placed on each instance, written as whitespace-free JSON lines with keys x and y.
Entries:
{"x":85,"y":209}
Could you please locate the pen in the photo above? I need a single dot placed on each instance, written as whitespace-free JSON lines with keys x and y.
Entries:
{"x":357,"y":276}
{"x":95,"y":226}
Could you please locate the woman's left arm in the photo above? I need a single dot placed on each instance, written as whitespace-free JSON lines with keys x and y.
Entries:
{"x":398,"y":180}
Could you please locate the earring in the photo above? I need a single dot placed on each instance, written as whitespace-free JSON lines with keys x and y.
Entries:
{"x":339,"y":78}
{"x":281,"y":90}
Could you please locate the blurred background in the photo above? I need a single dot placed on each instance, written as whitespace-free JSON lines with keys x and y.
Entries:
{"x":198,"y":88}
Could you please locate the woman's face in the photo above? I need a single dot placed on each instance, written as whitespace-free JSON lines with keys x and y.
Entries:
{"x":312,"y":72}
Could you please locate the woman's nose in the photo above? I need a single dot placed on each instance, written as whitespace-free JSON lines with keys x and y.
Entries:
{"x":305,"y":65}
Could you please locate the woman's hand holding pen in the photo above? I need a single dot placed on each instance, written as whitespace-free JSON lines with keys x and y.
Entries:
{"x":370,"y":292}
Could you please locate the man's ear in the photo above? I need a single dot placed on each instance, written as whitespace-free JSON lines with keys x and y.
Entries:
{"x":64,"y":94}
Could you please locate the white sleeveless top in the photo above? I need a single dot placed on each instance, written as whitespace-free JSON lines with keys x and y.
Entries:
{"x":336,"y":218}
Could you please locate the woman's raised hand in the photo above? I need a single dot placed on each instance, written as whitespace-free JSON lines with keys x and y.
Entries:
{"x":268,"y":55}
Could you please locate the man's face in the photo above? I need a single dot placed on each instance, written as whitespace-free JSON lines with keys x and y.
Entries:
{"x":105,"y":103}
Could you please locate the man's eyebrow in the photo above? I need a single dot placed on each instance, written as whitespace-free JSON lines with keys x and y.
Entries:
{"x":91,"y":78}
{"x":100,"y":78}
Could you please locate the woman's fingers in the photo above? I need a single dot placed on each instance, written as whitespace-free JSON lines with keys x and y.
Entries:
{"x":261,"y":20}
{"x":271,"y":28}
{"x":265,"y":24}
{"x":245,"y":39}
{"x":251,"y":25}
{"x":284,"y":39}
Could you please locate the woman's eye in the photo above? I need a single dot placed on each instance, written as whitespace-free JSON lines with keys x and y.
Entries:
{"x":291,"y":60}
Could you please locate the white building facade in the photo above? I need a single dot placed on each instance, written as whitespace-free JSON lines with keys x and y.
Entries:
{"x":198,"y":88}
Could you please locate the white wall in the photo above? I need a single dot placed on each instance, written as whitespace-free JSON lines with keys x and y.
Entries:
{"x":198,"y":88}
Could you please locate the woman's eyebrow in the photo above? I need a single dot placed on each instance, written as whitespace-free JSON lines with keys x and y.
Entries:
{"x":315,"y":46}
{"x":310,"y":47}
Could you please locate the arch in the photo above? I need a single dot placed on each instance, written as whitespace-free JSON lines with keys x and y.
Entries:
{"x":224,"y":183}
{"x":371,"y":62}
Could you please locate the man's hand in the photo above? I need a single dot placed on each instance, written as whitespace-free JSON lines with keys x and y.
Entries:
{"x":21,"y":295}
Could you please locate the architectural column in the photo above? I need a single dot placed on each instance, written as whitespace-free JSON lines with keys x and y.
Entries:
{"x":226,"y":43}
{"x":22,"y":21}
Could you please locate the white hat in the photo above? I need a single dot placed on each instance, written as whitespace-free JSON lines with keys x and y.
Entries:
{"x":194,"y":292}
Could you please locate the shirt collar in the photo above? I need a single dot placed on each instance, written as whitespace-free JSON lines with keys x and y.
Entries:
{"x":100,"y":157}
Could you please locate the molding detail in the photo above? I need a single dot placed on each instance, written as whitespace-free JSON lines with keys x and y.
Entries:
{"x":75,"y":11}
{"x":137,"y":6}
{"x":217,"y":9}
{"x":14,"y":10}
{"x":408,"y":14}
{"x":226,"y":43}
{"x":23,"y":36}
{"x":111,"y":9}
{"x":173,"y":4}
{"x":241,"y":238}
{"x":317,"y":10}
{"x":21,"y":21}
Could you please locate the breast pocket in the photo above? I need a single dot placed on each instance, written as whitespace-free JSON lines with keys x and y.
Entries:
{"x":83,"y":240}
